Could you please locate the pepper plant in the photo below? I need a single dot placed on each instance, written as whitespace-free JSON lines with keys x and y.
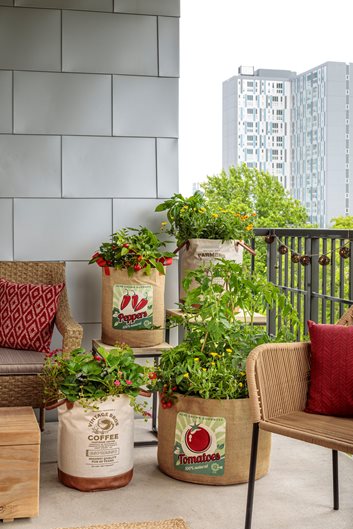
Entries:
{"x":133,"y":249}
{"x":210,"y":362}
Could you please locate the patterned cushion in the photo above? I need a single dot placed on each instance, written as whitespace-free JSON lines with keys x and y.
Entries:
{"x":27,"y":315}
{"x":331,"y":373}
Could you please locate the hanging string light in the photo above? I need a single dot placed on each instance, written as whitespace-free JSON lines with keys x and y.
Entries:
{"x":283,"y":249}
{"x":305,"y":260}
{"x":323,"y":259}
{"x":269,"y":239}
{"x":344,"y":252}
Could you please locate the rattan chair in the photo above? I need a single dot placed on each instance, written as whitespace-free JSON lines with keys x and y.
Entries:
{"x":278,"y":377}
{"x":19,"y":381}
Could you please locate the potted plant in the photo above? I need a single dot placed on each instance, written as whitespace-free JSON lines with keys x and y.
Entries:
{"x":204,"y":433}
{"x":205,"y":233}
{"x":133,"y":281}
{"x":96,"y":397}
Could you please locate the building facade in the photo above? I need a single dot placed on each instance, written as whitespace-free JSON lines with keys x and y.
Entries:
{"x":302,"y":136}
{"x":256,"y":119}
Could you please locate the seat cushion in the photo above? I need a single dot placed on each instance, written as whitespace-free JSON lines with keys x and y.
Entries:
{"x":335,"y":433}
{"x":27,"y":313}
{"x":331,"y":372}
{"x":19,"y":362}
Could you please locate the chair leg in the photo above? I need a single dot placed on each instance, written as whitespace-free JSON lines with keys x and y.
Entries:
{"x":335,"y":480}
{"x":41,"y":418}
{"x":252,"y":473}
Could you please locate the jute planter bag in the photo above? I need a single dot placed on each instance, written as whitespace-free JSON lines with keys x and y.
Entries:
{"x":197,"y":252}
{"x":130,"y":305}
{"x":209,"y":441}
{"x":95,"y":447}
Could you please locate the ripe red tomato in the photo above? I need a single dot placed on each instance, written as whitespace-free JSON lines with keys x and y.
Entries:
{"x":197,"y":439}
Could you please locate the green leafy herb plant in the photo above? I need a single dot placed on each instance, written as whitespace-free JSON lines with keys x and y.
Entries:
{"x":133,"y":250}
{"x":210,"y":362}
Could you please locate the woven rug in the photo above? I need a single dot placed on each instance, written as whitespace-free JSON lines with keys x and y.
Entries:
{"x":162,"y":524}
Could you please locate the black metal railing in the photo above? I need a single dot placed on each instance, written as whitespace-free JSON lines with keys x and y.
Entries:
{"x":313,"y":267}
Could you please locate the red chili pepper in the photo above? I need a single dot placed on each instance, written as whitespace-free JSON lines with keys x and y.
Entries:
{"x":134,"y":300}
{"x":141,"y":304}
{"x":137,"y":267}
{"x":125,"y":301}
{"x":168,"y":261}
{"x":101,"y":262}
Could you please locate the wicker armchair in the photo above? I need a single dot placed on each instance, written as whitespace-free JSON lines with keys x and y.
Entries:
{"x":278,"y":377}
{"x":19,"y":381}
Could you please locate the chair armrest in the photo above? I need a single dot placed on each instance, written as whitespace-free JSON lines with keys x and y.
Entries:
{"x":70,"y":330}
{"x":278,"y":376}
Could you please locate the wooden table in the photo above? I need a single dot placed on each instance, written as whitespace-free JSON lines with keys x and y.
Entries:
{"x":259,"y":319}
{"x":19,"y":463}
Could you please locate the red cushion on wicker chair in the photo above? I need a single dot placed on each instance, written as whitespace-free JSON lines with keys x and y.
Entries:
{"x":331,"y":376}
{"x":27,"y":313}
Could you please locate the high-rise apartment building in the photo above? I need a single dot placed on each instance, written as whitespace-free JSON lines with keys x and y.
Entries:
{"x":303,"y":137}
{"x":256,"y":121}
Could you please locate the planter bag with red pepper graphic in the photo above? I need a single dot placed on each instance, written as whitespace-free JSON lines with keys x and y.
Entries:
{"x":208,"y":441}
{"x":95,"y":446}
{"x":198,"y":252}
{"x":132,"y":308}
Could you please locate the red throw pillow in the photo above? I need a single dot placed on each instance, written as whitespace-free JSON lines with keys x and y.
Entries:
{"x":331,"y":375}
{"x":27,"y":315}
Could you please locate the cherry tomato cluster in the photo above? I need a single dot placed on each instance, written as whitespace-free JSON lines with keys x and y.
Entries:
{"x":167,"y":398}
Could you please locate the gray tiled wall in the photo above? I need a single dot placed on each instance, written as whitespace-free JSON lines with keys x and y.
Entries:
{"x":88,"y":131}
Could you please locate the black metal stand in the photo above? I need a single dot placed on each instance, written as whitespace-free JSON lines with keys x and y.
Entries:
{"x":336,"y":502}
{"x":252,"y":473}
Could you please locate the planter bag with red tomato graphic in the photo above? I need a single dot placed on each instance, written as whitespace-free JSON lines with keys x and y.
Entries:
{"x":208,"y":441}
{"x":132,"y":308}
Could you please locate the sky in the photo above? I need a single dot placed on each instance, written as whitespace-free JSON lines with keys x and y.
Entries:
{"x":217,"y":36}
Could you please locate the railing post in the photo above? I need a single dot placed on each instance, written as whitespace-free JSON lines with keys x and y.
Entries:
{"x":314,"y":280}
{"x":272,"y":277}
{"x":307,"y":285}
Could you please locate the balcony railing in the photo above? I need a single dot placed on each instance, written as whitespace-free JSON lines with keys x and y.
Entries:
{"x":314,"y":268}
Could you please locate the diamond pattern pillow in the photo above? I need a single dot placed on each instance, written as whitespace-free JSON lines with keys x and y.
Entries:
{"x":27,"y":313}
{"x":331,"y":372}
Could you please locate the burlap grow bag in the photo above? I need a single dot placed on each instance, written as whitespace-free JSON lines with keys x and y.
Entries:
{"x":130,"y":305}
{"x":198,"y":252}
{"x":209,"y":441}
{"x":95,"y":447}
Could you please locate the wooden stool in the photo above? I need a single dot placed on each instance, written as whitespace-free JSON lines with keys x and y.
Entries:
{"x":19,"y":463}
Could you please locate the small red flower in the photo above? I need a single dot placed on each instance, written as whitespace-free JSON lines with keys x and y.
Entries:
{"x":117,"y":382}
{"x":128,"y":382}
{"x":152,"y":376}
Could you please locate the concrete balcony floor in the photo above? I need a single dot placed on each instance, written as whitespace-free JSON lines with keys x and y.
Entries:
{"x":296,"y":494}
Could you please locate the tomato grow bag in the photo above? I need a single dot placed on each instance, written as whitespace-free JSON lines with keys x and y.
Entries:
{"x":198,"y":252}
{"x":131,"y":306}
{"x":95,"y":447}
{"x":208,"y":441}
